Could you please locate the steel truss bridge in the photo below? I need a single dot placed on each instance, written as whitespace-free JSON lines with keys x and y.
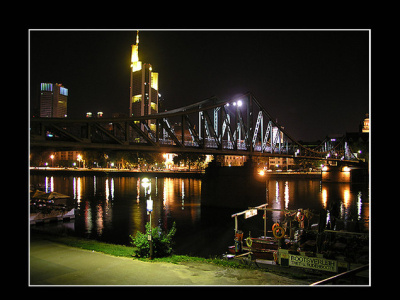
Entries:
{"x":240,"y":126}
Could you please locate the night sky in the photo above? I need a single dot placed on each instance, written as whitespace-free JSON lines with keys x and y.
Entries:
{"x":314,"y":82}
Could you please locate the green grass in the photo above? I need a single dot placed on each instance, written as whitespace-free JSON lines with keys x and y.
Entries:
{"x":127,"y":251}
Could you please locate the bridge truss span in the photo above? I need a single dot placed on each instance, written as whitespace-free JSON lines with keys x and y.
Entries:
{"x":240,"y":126}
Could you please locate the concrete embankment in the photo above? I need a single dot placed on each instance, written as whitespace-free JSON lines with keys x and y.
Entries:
{"x":294,"y":175}
{"x":186,"y":174}
{"x":114,"y":172}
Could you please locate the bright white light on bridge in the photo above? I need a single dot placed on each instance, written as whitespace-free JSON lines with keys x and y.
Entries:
{"x":239,"y":103}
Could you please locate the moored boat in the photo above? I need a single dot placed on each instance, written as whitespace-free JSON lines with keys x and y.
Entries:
{"x":49,"y":207}
{"x":297,"y":242}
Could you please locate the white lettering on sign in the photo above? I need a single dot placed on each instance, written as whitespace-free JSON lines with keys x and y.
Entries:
{"x":250,"y":213}
{"x":313,"y":263}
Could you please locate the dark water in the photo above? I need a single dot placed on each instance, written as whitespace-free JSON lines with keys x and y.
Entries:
{"x":112,"y":208}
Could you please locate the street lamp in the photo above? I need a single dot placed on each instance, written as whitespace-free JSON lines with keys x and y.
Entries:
{"x":52,"y":159}
{"x":149,"y":206}
{"x":79,"y":157}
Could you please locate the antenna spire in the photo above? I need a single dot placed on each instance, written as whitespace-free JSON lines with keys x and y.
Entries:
{"x":135,"y":63}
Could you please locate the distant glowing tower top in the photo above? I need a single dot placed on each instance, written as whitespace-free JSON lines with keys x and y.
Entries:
{"x":136,"y":65}
{"x":143,"y":98}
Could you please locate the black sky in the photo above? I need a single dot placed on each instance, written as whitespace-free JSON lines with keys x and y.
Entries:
{"x":314,"y":82}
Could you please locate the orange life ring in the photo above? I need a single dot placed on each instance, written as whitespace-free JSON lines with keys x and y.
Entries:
{"x":273,"y":226}
{"x":278,"y":232}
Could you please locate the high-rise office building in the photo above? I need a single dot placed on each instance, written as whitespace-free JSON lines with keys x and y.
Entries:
{"x":143,"y":87}
{"x":53,"y":100}
{"x":365,"y":128}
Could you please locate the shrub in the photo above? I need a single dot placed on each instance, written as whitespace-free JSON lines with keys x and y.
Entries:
{"x":162,"y":242}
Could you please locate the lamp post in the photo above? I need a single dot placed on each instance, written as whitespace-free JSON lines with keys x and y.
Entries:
{"x":149,"y":206}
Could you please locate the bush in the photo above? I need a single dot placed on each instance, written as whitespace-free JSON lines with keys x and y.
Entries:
{"x":162,"y":242}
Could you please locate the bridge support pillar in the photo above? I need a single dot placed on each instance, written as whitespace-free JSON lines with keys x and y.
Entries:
{"x":336,"y":174}
{"x":339,"y":173}
{"x":233,"y":187}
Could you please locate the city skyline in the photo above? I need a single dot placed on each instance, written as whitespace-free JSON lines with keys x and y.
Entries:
{"x":314,"y":82}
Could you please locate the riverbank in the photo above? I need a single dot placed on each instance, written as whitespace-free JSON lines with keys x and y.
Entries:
{"x":164,"y":173}
{"x":53,"y":262}
{"x":113,"y":172}
{"x":294,"y":174}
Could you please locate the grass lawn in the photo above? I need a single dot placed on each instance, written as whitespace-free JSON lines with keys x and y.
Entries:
{"x":127,"y":251}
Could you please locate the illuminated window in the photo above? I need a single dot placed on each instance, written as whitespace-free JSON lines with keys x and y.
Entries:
{"x":136,"y":98}
{"x":63,"y":91}
{"x":46,"y":87}
{"x":154,"y":80}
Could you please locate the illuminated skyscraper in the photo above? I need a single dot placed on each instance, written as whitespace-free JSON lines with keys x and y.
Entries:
{"x":365,"y":128}
{"x":53,"y":100}
{"x":143,"y":87}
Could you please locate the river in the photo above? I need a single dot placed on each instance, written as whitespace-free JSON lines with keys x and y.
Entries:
{"x":112,"y":208}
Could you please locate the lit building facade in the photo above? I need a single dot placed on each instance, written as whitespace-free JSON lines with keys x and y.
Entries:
{"x":143,"y":87}
{"x":365,"y":128}
{"x":234,"y":160}
{"x":53,"y":100}
{"x":280,"y":163}
{"x":66,"y":155}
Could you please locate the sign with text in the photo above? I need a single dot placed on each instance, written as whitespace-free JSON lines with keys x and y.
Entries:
{"x":313,"y":263}
{"x":250,"y":213}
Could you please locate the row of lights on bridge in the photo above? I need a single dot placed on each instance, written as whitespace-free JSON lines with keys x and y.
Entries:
{"x":238,"y":103}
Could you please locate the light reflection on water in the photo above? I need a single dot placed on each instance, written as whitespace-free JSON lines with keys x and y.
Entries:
{"x":348,"y":203}
{"x":112,"y":208}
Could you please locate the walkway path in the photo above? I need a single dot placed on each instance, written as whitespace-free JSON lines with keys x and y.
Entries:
{"x":57,"y":264}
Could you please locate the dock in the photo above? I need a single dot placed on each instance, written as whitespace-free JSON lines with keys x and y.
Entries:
{"x":53,"y":216}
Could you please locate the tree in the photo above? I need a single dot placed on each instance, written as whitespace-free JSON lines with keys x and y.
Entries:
{"x":189,"y":159}
{"x":93,"y":157}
